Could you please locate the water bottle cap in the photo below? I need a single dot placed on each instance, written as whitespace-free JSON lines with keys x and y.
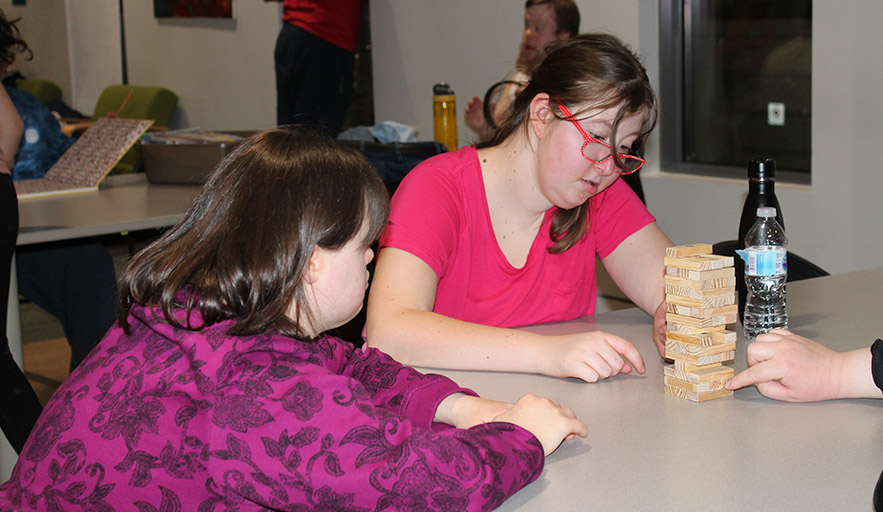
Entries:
{"x":762,"y":169}
{"x":766,"y":212}
{"x":442,"y":89}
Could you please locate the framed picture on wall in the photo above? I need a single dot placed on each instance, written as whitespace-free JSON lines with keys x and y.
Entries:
{"x":193,"y":8}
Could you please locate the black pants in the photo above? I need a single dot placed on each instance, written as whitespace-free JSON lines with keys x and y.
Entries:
{"x":75,"y":282}
{"x":19,"y":406}
{"x":314,"y":80}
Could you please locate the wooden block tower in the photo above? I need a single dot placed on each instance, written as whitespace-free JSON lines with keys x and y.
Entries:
{"x":700,"y":298}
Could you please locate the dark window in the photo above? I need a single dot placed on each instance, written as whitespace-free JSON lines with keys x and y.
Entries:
{"x":736,"y":85}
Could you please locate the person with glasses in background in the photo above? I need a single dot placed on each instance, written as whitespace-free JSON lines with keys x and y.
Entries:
{"x":506,"y":234}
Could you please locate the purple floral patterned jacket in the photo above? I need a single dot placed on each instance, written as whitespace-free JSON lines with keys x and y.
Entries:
{"x":173,"y":420}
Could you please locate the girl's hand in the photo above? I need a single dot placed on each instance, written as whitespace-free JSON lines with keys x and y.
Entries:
{"x":659,"y":327}
{"x":546,"y":419}
{"x":589,"y":356}
{"x":464,"y":411}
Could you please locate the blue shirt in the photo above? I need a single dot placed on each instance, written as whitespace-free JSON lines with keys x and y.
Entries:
{"x":42,"y":142}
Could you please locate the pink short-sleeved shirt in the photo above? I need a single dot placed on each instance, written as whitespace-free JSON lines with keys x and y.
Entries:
{"x":440,"y":214}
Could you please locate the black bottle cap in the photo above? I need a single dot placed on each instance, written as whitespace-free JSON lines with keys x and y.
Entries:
{"x":762,"y":168}
{"x":442,"y":89}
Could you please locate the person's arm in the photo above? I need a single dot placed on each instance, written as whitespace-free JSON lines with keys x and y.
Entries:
{"x":319,"y":437}
{"x":474,"y":117}
{"x":786,"y":366}
{"x":637,"y":266}
{"x":405,"y":392}
{"x":11,"y":128}
{"x":400,"y":322}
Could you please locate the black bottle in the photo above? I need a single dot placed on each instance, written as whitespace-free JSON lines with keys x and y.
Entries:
{"x":761,"y":192}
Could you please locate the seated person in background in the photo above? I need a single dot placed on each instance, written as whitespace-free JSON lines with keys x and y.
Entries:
{"x":506,"y":235}
{"x":75,"y":280}
{"x":218,"y":387}
{"x":545,"y":21}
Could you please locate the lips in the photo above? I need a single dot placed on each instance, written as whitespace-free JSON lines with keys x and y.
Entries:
{"x":591,"y":186}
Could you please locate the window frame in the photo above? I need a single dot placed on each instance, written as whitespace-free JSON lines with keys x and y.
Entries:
{"x":674,"y":23}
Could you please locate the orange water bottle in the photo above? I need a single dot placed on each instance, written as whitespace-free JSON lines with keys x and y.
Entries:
{"x":444,"y":115}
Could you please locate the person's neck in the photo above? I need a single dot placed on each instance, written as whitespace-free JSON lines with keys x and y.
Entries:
{"x":509,"y":172}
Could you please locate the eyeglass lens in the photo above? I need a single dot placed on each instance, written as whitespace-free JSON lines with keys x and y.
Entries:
{"x":598,"y":152}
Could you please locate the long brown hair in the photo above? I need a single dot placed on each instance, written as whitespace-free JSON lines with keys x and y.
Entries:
{"x":597,"y":71}
{"x":243,"y":246}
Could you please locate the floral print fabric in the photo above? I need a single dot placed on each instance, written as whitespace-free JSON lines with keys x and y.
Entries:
{"x":167,"y":419}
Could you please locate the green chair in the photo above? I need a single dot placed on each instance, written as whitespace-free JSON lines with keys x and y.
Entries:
{"x":134,"y":102}
{"x":44,"y":90}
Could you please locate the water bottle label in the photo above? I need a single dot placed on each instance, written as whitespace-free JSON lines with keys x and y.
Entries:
{"x":766,"y":263}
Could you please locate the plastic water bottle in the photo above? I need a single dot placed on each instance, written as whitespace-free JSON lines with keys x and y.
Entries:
{"x":761,"y":192}
{"x":444,"y":115}
{"x":766,"y":270}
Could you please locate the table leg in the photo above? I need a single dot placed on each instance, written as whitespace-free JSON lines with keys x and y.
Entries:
{"x":8,"y":457}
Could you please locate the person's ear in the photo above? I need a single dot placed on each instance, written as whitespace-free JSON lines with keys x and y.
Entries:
{"x":315,"y":266}
{"x":541,"y":114}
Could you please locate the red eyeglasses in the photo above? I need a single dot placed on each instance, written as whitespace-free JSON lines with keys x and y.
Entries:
{"x":598,"y":151}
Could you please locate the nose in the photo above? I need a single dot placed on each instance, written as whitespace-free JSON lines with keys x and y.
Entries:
{"x":607,"y":167}
{"x":369,"y":255}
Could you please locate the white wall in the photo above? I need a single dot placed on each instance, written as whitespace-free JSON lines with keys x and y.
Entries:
{"x":223,"y":73}
{"x":43,"y":26}
{"x":835,"y":222}
{"x":221,"y":70}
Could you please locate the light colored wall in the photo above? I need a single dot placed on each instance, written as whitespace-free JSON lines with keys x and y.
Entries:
{"x":223,"y":74}
{"x":835,"y":222}
{"x":43,"y":26}
{"x":221,"y":70}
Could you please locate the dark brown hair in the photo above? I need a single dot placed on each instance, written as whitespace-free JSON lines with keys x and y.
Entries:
{"x":566,"y":14}
{"x":243,"y":246}
{"x":591,"y":71}
{"x":11,"y":41}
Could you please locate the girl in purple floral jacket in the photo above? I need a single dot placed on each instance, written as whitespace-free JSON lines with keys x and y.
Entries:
{"x":217,"y":391}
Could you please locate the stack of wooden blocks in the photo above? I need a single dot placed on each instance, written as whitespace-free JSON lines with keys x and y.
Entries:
{"x":700,"y":297}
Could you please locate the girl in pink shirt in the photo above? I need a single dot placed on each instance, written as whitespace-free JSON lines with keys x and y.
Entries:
{"x":507,"y":234}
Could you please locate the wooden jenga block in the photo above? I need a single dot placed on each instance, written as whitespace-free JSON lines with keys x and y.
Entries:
{"x":681,"y":251}
{"x":689,"y":349}
{"x":689,"y":329}
{"x":697,"y":397}
{"x":704,"y":303}
{"x":697,"y":355}
{"x":690,"y":368}
{"x":693,"y":293}
{"x":700,"y":312}
{"x":705,"y":339}
{"x":700,"y":284}
{"x":700,"y":275}
{"x":695,"y":387}
{"x":701,"y":262}
{"x":703,"y":360}
{"x":701,"y":374}
{"x":701,"y":322}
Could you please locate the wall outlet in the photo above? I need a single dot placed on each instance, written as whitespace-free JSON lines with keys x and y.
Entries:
{"x":775,"y":114}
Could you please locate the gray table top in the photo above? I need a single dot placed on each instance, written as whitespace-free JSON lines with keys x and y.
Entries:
{"x":647,"y":450}
{"x":124,"y":203}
